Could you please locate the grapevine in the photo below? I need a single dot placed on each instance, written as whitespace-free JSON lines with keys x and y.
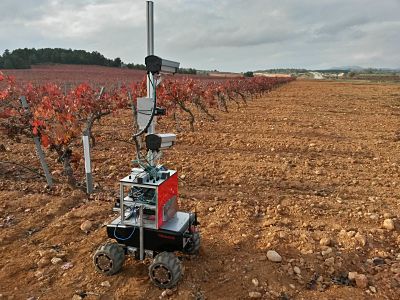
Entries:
{"x":59,"y":117}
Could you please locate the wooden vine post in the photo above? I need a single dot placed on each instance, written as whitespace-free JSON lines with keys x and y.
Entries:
{"x":38,"y":146}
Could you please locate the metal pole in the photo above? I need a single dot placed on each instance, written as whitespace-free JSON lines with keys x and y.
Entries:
{"x":86,"y":149}
{"x":38,"y":147}
{"x":150,"y":50}
{"x":150,"y":77}
{"x":88,"y":168}
{"x":121,"y":203}
{"x":150,"y":27}
{"x":141,"y":246}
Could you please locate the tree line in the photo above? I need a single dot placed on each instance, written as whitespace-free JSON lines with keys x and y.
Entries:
{"x":25,"y":58}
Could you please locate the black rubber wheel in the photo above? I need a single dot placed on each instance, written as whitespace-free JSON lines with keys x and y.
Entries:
{"x":193,"y":245}
{"x":109,"y":258}
{"x":165,"y":270}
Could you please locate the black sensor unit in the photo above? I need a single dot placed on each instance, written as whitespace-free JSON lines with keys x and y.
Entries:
{"x":156,"y":142}
{"x":155,"y":64}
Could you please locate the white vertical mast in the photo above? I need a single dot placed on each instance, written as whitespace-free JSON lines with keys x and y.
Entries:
{"x":150,"y":78}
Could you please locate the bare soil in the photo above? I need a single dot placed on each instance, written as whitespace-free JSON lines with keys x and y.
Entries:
{"x":310,"y":160}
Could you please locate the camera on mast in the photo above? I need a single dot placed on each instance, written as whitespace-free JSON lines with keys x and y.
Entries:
{"x":160,"y":141}
{"x":155,"y":65}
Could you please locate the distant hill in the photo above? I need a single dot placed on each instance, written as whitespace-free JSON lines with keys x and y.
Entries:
{"x":282,"y":71}
{"x":334,"y":70}
{"x":348,"y":68}
{"x":359,"y":69}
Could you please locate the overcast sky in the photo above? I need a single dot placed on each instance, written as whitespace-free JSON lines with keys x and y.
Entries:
{"x":228,"y":35}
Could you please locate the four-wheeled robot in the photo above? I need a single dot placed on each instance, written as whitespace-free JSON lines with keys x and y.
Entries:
{"x":149,"y":222}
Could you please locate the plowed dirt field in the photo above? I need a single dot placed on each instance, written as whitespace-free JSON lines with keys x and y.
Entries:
{"x":310,"y":170}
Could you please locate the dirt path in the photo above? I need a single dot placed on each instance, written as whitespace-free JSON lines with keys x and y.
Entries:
{"x":309,"y":161}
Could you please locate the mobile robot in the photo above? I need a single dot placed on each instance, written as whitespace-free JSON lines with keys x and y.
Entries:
{"x":149,"y":222}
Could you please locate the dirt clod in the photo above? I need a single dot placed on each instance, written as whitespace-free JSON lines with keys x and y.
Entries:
{"x":56,"y":260}
{"x":388,"y":224}
{"x":86,"y":226}
{"x":274,"y":256}
{"x":352,"y":275}
{"x":296,"y":270}
{"x":255,"y":295}
{"x":325,"y":241}
{"x":361,"y":281}
{"x":255,"y":282}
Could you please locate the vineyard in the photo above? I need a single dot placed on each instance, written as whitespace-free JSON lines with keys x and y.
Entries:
{"x":58,"y":118}
{"x":309,"y":169}
{"x":233,"y":177}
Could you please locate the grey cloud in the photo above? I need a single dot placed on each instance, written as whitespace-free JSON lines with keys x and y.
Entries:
{"x":232,"y":35}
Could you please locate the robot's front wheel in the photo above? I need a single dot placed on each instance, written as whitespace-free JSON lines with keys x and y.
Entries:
{"x":109,"y":258}
{"x":165,"y":270}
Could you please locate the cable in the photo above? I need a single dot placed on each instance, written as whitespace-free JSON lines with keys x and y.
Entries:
{"x":121,"y":238}
{"x":133,"y":231}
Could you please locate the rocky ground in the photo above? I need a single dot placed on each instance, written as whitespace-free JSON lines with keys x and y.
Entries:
{"x":297,"y":194}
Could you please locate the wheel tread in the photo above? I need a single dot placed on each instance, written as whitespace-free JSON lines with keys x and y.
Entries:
{"x":172,"y":263}
{"x":113,"y":251}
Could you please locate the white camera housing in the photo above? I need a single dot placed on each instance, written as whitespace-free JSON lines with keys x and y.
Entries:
{"x":160,"y":141}
{"x":156,"y":65}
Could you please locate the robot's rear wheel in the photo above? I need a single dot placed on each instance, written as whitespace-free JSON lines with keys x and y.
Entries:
{"x":109,"y":258}
{"x":165,"y":270}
